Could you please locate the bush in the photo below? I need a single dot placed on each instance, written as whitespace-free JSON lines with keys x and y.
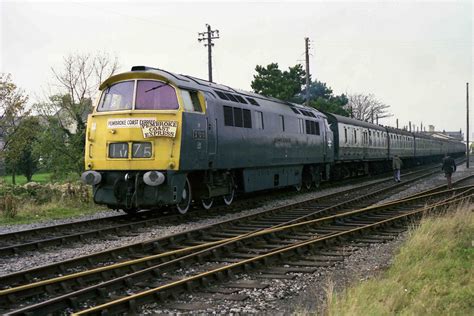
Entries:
{"x":36,"y":194}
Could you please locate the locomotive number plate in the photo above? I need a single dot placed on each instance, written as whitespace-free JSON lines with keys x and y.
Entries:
{"x":118,"y":150}
{"x":199,"y":134}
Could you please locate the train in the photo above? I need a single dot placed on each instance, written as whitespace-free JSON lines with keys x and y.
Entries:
{"x":157,"y":138}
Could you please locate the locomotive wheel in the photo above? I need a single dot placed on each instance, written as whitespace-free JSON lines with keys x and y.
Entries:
{"x":130,"y":211}
{"x":229,"y":198}
{"x":186,"y":199}
{"x":207,"y":203}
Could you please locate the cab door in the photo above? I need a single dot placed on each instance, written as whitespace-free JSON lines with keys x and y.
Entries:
{"x":211,"y":130}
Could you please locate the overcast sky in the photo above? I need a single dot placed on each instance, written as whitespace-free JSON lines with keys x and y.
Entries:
{"x":414,"y":56}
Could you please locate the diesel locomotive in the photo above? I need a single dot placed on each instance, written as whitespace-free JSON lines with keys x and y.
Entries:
{"x":157,"y":138}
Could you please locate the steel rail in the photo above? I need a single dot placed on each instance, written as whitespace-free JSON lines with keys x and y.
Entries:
{"x":268,"y":231}
{"x":291,"y":224}
{"x":131,"y":300}
{"x":136,"y":221}
{"x":26,"y":276}
{"x":102,"y":269}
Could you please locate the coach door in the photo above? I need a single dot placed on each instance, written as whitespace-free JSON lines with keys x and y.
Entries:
{"x":365,"y":150}
{"x":328,"y":140}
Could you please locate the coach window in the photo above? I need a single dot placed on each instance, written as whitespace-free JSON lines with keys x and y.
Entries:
{"x":191,"y":101}
{"x":282,"y":122}
{"x":355,"y":136}
{"x":345,"y":134}
{"x":259,"y":120}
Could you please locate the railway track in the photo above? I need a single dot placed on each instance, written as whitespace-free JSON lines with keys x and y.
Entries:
{"x":58,"y":288}
{"x":120,"y":225}
{"x":295,"y":250}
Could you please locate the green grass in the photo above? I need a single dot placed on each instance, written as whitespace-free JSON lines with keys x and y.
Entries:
{"x":432,"y":274}
{"x":53,"y":210}
{"x":20,"y":180}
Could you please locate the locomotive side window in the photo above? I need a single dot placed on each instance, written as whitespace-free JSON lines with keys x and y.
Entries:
{"x":241,"y":100}
{"x":294,"y":110}
{"x":238,"y":121}
{"x":117,"y":97}
{"x":155,"y":95}
{"x":259,"y":120}
{"x":237,"y":117}
{"x":195,"y":100}
{"x":231,"y":97}
{"x":300,"y":126}
{"x":282,"y":122}
{"x":221,"y":95}
{"x":253,"y":101}
{"x":191,"y":101}
{"x":228,"y":116}
{"x":345,"y":134}
{"x":247,"y":118}
{"x":312,"y":128}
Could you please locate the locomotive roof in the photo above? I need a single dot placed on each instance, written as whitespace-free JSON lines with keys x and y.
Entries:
{"x":189,"y":82}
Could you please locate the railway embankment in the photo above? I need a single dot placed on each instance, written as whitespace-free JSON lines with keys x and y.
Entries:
{"x":431,"y":273}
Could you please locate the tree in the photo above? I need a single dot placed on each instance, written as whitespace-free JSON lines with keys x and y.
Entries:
{"x":12,"y":108}
{"x":19,"y":156}
{"x":287,"y":86}
{"x":270,"y":81}
{"x":322,"y":98}
{"x":66,"y":111}
{"x":366,"y":107}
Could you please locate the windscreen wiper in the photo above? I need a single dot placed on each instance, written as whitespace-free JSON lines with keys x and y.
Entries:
{"x":157,"y":87}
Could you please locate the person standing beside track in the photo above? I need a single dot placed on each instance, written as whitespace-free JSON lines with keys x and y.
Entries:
{"x":397,"y":164}
{"x":449,"y":166}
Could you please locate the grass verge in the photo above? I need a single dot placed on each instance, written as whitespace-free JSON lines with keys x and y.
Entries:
{"x":30,"y":213}
{"x":431,"y":275}
{"x":20,"y":180}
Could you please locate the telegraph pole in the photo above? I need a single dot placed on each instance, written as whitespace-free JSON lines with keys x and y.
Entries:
{"x":306,"y":42}
{"x":467,"y":121}
{"x":208,"y":36}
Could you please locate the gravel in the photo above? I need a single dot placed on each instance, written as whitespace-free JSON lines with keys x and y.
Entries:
{"x":34,"y":259}
{"x":306,"y":292}
{"x":425,"y":184}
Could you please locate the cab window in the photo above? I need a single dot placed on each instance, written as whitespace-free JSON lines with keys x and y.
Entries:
{"x":155,"y":95}
{"x":117,"y":97}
